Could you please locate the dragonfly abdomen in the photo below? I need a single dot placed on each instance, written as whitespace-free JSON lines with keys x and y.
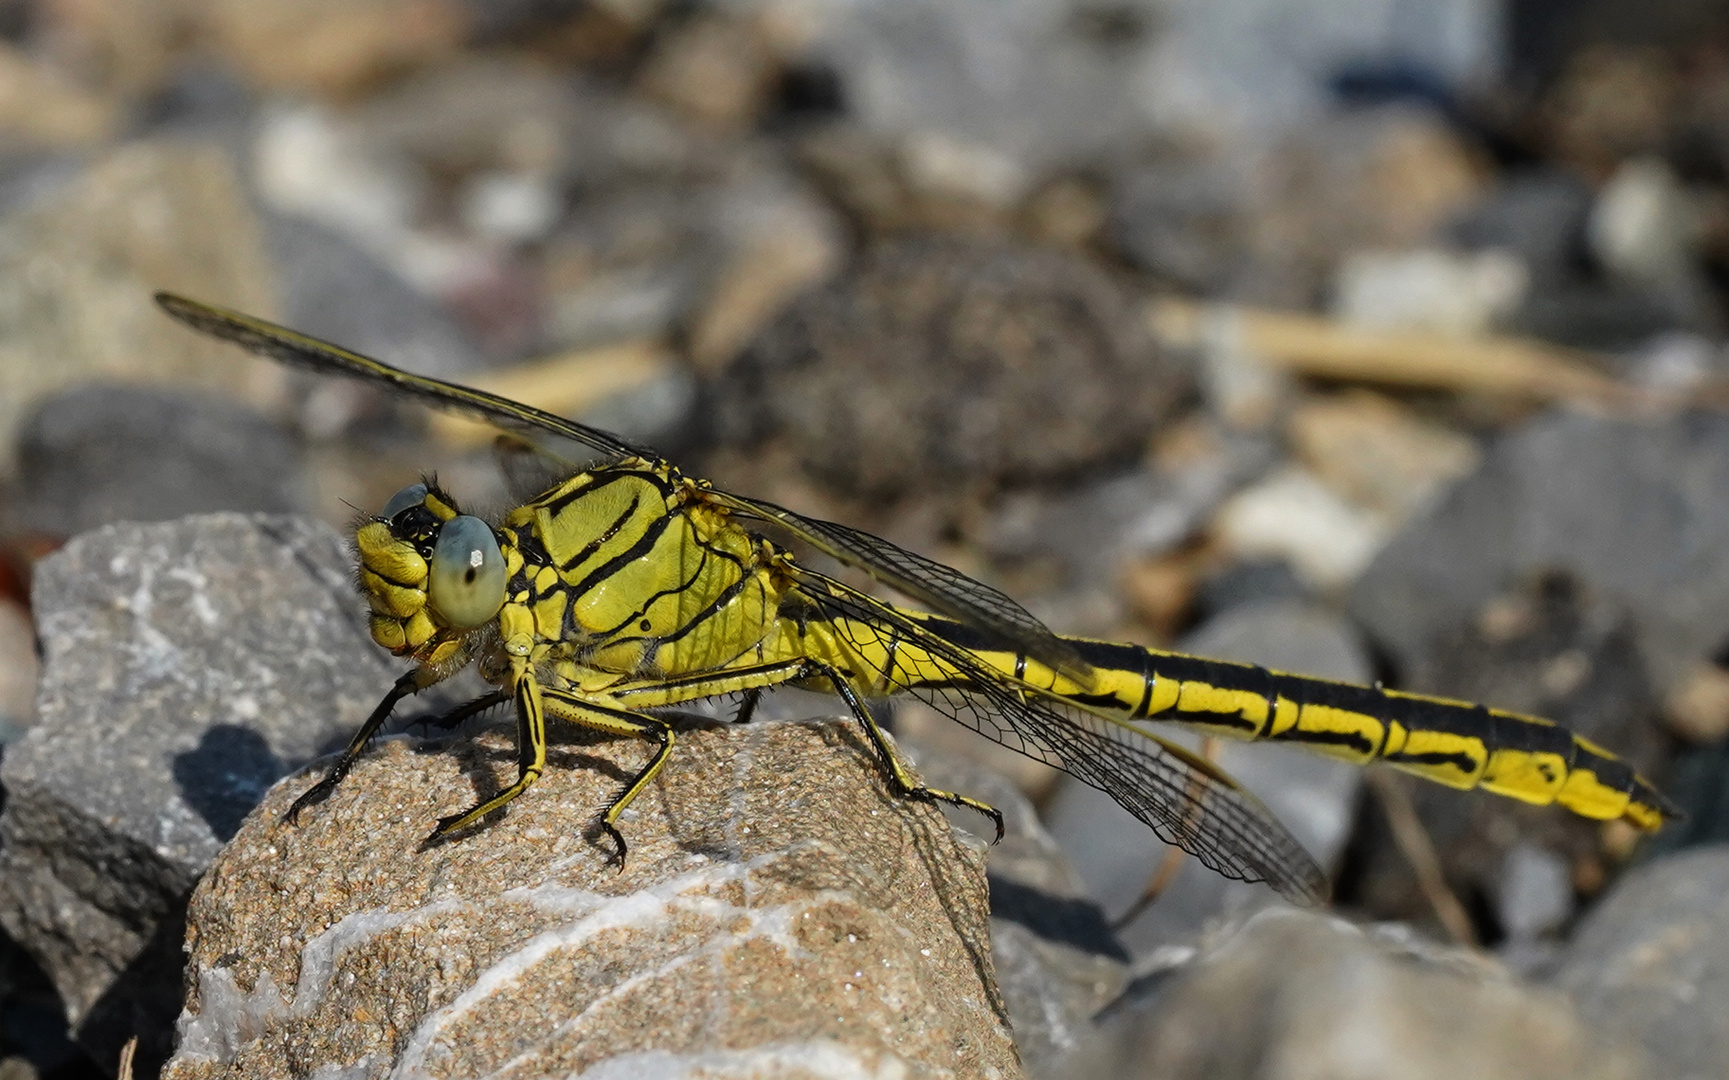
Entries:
{"x":1455,"y":743}
{"x":1451,"y":742}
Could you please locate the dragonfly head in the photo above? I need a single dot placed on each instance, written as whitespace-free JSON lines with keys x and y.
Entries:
{"x":429,"y":572}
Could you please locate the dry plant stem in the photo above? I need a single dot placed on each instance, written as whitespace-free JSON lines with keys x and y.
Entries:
{"x":1324,"y":348}
{"x":1419,"y":851}
{"x":566,"y":383}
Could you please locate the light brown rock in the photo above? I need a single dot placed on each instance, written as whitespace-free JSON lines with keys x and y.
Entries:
{"x":333,"y":47}
{"x":78,"y":265}
{"x":780,"y":915}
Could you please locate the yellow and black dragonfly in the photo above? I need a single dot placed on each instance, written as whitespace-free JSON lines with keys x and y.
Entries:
{"x":628,"y":587}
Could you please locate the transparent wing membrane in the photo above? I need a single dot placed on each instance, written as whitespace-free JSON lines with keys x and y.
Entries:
{"x":1186,"y":800}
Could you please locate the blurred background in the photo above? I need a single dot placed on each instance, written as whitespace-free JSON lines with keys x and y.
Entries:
{"x":1374,"y":339}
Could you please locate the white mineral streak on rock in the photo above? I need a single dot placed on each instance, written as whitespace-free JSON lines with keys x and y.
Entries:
{"x":821,"y":1059}
{"x":645,"y":910}
{"x":230,"y":1017}
{"x":320,"y":956}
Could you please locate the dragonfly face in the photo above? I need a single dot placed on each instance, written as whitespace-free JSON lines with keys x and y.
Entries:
{"x":429,"y":573}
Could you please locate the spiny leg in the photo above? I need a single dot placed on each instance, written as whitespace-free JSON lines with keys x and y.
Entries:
{"x":530,"y":756}
{"x":747,"y":705}
{"x":899,"y":774}
{"x":463,"y":712}
{"x":589,"y":714}
{"x":410,"y":683}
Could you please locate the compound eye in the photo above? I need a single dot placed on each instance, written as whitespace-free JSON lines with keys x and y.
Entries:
{"x":412,"y":495}
{"x":466,"y":585}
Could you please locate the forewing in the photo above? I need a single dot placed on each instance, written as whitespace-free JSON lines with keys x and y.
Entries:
{"x":1185,"y":799}
{"x":941,"y":588}
{"x":302,"y":351}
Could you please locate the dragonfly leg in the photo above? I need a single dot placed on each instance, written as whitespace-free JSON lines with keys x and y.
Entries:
{"x":747,"y":705}
{"x":590,"y":714}
{"x":463,"y":712}
{"x":903,"y":778}
{"x":530,"y":755}
{"x":410,"y":683}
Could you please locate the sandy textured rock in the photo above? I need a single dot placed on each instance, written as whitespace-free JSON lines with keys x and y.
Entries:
{"x":780,"y":915}
{"x":930,"y":361}
{"x":186,"y":667}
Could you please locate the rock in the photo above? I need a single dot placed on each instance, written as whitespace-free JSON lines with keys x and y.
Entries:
{"x":42,"y":109}
{"x":1377,"y":453}
{"x":186,"y":666}
{"x":1536,"y":215}
{"x":713,"y":68}
{"x":1552,"y":648}
{"x":779,"y":242}
{"x":1652,"y":961}
{"x":931,"y":362}
{"x":314,"y":163}
{"x":1431,"y":289}
{"x":334,"y":289}
{"x":125,"y":48}
{"x":1645,"y":227}
{"x":1697,"y":710}
{"x":1030,"y":86}
{"x":330,"y":47}
{"x":1591,"y":498}
{"x":1262,"y":65}
{"x":1292,"y":993}
{"x":102,"y":454}
{"x":1314,"y":796}
{"x":780,"y":913}
{"x":1185,"y":218}
{"x":78,"y":265}
{"x":1384,"y":179}
{"x":19,"y":670}
{"x":1057,"y":960}
{"x":1292,"y":515}
{"x":1609,"y":103}
{"x":1536,"y":893}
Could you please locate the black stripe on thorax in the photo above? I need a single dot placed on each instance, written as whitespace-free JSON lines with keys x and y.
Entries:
{"x":646,"y":604}
{"x":607,"y":534}
{"x":600,"y":480}
{"x":650,"y":536}
{"x":727,"y":595}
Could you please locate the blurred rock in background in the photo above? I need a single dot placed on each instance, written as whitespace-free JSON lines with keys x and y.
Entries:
{"x":1373,"y":340}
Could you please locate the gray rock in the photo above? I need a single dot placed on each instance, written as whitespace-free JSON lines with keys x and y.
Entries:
{"x":186,"y":667}
{"x":335,"y":289}
{"x":1057,"y":960}
{"x":1292,"y":993}
{"x":929,"y":363}
{"x":1551,"y":648}
{"x":1186,"y":221}
{"x":78,"y":263}
{"x":101,"y":454}
{"x":781,"y":913}
{"x":1652,"y":960}
{"x":1312,"y":795}
{"x":1586,"y":496}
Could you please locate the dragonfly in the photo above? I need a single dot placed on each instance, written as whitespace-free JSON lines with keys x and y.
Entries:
{"x":627,"y":588}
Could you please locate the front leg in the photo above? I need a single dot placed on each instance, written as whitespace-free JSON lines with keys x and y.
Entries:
{"x":411,"y":683}
{"x":530,"y":754}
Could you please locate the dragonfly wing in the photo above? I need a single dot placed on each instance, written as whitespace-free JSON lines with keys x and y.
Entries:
{"x":303,"y":351}
{"x":1187,"y":800}
{"x":941,"y":588}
